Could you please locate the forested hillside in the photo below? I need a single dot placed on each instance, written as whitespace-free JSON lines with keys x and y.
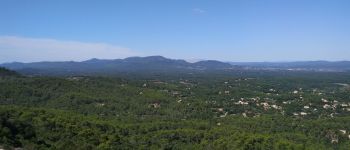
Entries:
{"x":247,"y":110}
{"x":6,"y":72}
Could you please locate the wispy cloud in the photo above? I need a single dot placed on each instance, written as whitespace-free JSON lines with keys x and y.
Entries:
{"x":198,"y":10}
{"x":13,"y":48}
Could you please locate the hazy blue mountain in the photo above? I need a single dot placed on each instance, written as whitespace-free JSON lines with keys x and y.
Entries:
{"x":131,"y":64}
{"x":159,"y":64}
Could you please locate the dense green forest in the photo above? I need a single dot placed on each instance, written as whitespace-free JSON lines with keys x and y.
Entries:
{"x":216,"y":110}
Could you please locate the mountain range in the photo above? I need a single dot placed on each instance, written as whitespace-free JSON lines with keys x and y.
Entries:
{"x":153,"y":64}
{"x":158,"y":64}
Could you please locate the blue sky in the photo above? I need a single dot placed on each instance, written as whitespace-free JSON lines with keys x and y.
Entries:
{"x":227,"y":30}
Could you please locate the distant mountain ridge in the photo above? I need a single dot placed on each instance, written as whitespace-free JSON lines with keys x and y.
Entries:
{"x":160,"y":64}
{"x":130,"y":64}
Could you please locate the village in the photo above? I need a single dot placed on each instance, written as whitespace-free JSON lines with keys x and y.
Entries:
{"x":305,"y":102}
{"x":296,"y":102}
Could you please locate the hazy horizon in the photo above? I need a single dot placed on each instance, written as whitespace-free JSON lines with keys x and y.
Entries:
{"x":187,"y":60}
{"x":236,"y":31}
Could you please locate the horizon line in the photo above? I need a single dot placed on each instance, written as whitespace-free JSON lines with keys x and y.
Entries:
{"x":190,"y":60}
